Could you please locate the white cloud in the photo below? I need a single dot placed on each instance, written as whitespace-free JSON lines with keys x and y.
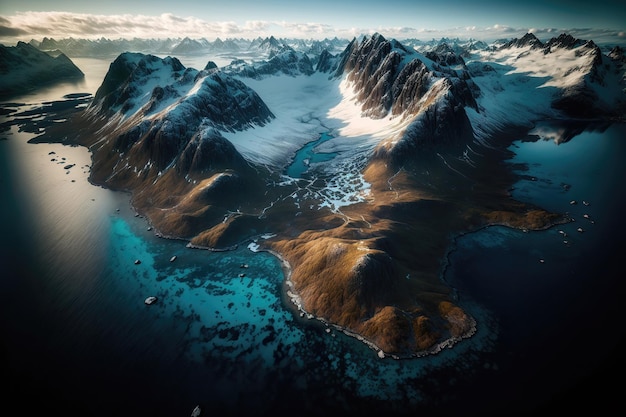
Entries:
{"x":36,"y":25}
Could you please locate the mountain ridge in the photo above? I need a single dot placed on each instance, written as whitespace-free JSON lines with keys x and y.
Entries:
{"x":24,"y":68}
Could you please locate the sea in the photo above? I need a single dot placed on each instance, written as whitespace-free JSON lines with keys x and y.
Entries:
{"x":77,"y":262}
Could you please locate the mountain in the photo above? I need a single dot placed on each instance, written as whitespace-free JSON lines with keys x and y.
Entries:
{"x":575,"y":76}
{"x":417,"y":154}
{"x":24,"y":67}
{"x":163,"y":125}
{"x":228,"y":45}
{"x":284,"y":61}
{"x":528,"y":40}
{"x":260,"y":47}
{"x":270,"y":46}
{"x":190,"y":46}
{"x":429,"y":92}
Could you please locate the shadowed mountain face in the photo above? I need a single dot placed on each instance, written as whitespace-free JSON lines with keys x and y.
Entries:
{"x":24,"y":67}
{"x":158,"y":129}
{"x":160,"y":138}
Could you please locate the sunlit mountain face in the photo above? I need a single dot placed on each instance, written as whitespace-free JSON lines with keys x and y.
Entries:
{"x":405,"y":150}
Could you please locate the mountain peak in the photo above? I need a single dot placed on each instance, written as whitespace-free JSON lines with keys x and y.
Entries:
{"x":528,"y":39}
{"x":564,"y":40}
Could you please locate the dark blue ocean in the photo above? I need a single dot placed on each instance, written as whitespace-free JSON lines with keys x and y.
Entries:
{"x":78,"y":339}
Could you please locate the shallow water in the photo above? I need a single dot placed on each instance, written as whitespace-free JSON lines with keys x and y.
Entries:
{"x":307,"y":155}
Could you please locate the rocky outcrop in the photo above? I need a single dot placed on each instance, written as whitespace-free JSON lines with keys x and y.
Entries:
{"x":442,"y":126}
{"x":565,"y":41}
{"x":444,"y":55}
{"x":325,"y":61}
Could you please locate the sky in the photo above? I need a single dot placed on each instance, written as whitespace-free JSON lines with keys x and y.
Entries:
{"x":600,"y":20}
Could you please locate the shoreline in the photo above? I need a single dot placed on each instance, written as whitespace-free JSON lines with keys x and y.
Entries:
{"x":296,"y":304}
{"x":292,"y":302}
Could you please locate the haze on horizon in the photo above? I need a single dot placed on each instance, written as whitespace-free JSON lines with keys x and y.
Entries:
{"x":603,"y":21}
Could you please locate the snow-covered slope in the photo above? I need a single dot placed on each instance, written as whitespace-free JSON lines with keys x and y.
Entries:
{"x":23,"y":67}
{"x":525,"y":80}
{"x":282,"y":61}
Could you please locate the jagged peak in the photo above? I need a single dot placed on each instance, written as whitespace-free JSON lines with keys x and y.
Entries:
{"x":565,"y":40}
{"x":270,"y":41}
{"x":377,"y":38}
{"x":617,"y":54}
{"x":210,"y":66}
{"x":281,"y":50}
{"x":529,"y":39}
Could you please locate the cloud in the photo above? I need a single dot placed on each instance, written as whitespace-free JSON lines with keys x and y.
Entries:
{"x":8,"y":31}
{"x":64,"y":24}
{"x":36,"y":25}
{"x":256,"y":25}
{"x":308,"y":29}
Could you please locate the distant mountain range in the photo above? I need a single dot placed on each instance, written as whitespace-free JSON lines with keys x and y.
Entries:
{"x":417,"y":135}
{"x":74,"y":47}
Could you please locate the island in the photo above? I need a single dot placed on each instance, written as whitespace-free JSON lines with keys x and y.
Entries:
{"x":418,"y":155}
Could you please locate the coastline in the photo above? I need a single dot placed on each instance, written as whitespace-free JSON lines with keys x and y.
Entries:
{"x":296,"y":303}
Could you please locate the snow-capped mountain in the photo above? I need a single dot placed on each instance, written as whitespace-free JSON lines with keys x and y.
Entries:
{"x":269,"y":45}
{"x":23,"y":67}
{"x":205,"y":153}
{"x":259,"y":48}
{"x":284,"y":61}
{"x":168,"y":115}
{"x":190,"y":46}
{"x":228,"y":45}
{"x":524,"y":80}
{"x":428,"y":93}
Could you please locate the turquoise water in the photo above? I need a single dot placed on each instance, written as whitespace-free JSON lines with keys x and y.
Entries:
{"x":307,"y":156}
